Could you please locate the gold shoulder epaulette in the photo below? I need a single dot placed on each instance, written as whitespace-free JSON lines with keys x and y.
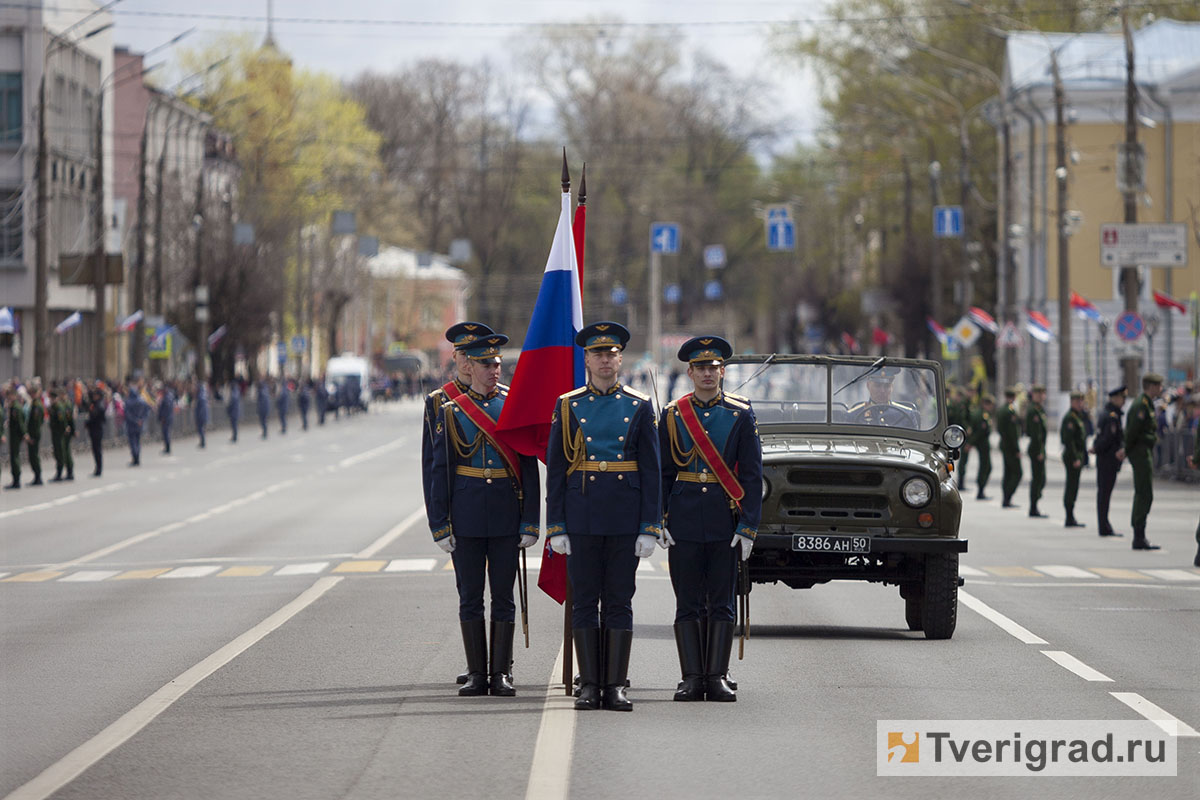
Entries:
{"x":737,"y":401}
{"x":574,"y":392}
{"x":634,"y":393}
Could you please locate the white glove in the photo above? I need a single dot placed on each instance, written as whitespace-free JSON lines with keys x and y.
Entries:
{"x":561,"y":544}
{"x":644,"y":546}
{"x":666,"y":540}
{"x":745,"y":542}
{"x":446,"y":544}
{"x":528,"y":540}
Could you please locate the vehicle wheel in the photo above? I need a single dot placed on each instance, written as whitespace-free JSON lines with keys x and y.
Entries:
{"x":939,"y":612}
{"x":913,"y":607}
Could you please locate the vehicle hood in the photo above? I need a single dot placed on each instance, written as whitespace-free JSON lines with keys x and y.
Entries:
{"x":884,"y":451}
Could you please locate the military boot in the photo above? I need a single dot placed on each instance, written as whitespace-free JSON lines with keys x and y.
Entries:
{"x":720,"y":643}
{"x":57,"y":476}
{"x":617,"y":647}
{"x":587,"y":653}
{"x":1033,"y":512}
{"x":691,"y":661}
{"x":475,"y":643}
{"x":499,"y":673}
{"x":1140,"y":542}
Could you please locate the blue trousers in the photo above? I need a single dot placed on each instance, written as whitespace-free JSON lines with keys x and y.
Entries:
{"x":602,"y":570}
{"x":493,"y":557}
{"x":135,"y":444}
{"x":233,"y":425}
{"x":704,"y":576}
{"x":166,"y":433}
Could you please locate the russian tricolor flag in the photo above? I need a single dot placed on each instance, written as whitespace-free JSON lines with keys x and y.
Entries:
{"x":551,"y":364}
{"x":1084,"y":307}
{"x":938,"y":331}
{"x":1039,"y":327}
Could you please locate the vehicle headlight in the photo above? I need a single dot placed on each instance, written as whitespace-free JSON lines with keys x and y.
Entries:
{"x":916,"y":492}
{"x":766,"y":488}
{"x":954,"y":436}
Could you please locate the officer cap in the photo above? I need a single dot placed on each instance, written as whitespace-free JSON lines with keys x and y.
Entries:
{"x":883,"y":375}
{"x":987,"y":398}
{"x":1037,"y":387}
{"x":1077,"y":395}
{"x":1152,"y":377}
{"x":611,"y":336}
{"x":486,"y":349}
{"x":1119,"y":390}
{"x":705,"y":350}
{"x":464,"y":333}
{"x":1010,"y":392}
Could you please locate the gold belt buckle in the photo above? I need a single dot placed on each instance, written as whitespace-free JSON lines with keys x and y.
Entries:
{"x":487,"y":472}
{"x":602,"y":466}
{"x":704,"y":477}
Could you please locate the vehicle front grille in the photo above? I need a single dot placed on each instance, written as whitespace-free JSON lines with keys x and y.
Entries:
{"x":832,"y":476}
{"x":834,"y":506}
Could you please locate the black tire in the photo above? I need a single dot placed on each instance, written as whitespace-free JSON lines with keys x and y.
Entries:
{"x":939,"y":612}
{"x":912,"y":612}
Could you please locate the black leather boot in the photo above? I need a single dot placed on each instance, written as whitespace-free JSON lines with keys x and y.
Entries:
{"x":57,"y":476}
{"x":500,"y":659}
{"x":691,"y":661}
{"x":617,"y":647}
{"x":587,"y":653}
{"x":1033,"y":512}
{"x":475,"y":643}
{"x":1140,"y":542}
{"x":720,"y":643}
{"x":461,"y":679}
{"x":704,"y":652}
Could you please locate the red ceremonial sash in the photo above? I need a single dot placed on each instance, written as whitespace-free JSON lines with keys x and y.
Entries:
{"x":708,"y":451}
{"x":452,"y":391}
{"x":487,"y":426}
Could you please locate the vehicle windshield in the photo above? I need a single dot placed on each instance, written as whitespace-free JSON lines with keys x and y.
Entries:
{"x":871,"y":395}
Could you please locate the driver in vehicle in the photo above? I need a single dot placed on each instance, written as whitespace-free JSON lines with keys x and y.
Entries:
{"x":880,"y":408}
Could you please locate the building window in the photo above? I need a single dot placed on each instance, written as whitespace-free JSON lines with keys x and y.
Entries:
{"x":10,"y":107}
{"x":11,"y":224}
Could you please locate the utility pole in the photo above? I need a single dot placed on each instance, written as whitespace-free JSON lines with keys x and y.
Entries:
{"x":100,"y":228}
{"x":41,"y":298}
{"x":1132,"y":179}
{"x":137,"y":344}
{"x":201,"y":292}
{"x":1064,"y":267}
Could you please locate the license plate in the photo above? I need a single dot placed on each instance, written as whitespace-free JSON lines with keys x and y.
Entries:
{"x":830,"y":544}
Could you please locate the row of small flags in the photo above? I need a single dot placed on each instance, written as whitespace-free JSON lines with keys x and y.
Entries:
{"x":130,"y":323}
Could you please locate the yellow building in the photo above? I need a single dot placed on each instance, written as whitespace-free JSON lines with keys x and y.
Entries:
{"x":1092,"y":70}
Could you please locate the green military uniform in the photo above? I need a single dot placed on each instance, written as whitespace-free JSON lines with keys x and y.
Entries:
{"x":1140,"y":438}
{"x":958,"y":413}
{"x":1035,"y":429}
{"x":16,"y":435}
{"x":37,"y":416}
{"x":1073,"y":434}
{"x":1009,"y":427}
{"x":62,"y":431}
{"x":978,"y":437}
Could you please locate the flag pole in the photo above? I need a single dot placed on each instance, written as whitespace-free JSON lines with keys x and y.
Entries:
{"x":568,"y":637}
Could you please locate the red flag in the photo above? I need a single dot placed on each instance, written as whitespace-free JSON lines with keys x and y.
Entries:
{"x":880,"y":337}
{"x":850,"y":342}
{"x":1166,"y":301}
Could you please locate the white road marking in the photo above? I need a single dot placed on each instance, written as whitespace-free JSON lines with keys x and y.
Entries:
{"x":645,"y":566}
{"x":1073,"y":664}
{"x":411,"y":565}
{"x":389,"y":537}
{"x":970,"y":572}
{"x":987,"y":612}
{"x":62,"y":501}
{"x":1172,"y":574}
{"x":550,"y":772}
{"x":89,"y":575}
{"x":303,"y":569}
{"x":1170,"y":724}
{"x":72,"y":765}
{"x":191,"y":572}
{"x":1063,"y":571}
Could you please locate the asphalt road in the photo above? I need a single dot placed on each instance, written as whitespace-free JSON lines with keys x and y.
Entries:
{"x":271,"y":620}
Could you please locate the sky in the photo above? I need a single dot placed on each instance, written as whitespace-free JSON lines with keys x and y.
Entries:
{"x":350,"y":36}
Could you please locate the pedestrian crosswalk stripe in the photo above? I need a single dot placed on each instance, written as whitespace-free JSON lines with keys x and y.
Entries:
{"x":533,"y":564}
{"x":3,"y":574}
{"x":303,"y":569}
{"x":1122,"y":574}
{"x":970,"y":572}
{"x":360,"y":566}
{"x":645,"y":566}
{"x":1014,"y":572}
{"x":33,"y":577}
{"x":1172,"y":574}
{"x":90,"y":575}
{"x":138,"y":574}
{"x":411,"y":565}
{"x":191,"y":572}
{"x":1063,"y":571}
{"x":244,"y":572}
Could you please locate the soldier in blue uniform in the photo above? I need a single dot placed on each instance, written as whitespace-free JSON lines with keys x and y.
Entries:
{"x":262,"y":400}
{"x":483,"y":507}
{"x":304,"y":401}
{"x":704,"y":505}
{"x":603,"y":509}
{"x":136,"y":412}
{"x":880,"y":408}
{"x":282,"y":400}
{"x":166,"y":415}
{"x":234,"y":407}
{"x":201,"y":410}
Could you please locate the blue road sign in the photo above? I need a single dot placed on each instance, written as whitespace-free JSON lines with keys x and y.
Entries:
{"x":713,"y":290}
{"x":781,"y":234}
{"x":298,"y":343}
{"x":664,"y":237}
{"x":1129,"y":326}
{"x":619,"y":296}
{"x":672,"y":293}
{"x":281,"y":353}
{"x":947,"y":222}
{"x":714,"y":256}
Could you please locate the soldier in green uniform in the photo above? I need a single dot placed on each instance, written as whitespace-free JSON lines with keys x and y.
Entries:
{"x":1035,"y":429}
{"x":958,"y":412}
{"x":62,"y":431}
{"x":1073,"y":434}
{"x":1140,"y":438}
{"x":1008,"y":425}
{"x":978,"y":436}
{"x":16,"y":435}
{"x":33,"y":432}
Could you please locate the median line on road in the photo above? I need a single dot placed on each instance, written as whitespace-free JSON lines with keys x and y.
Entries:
{"x":1172,"y":725}
{"x":1073,"y":664}
{"x":75,"y":763}
{"x":387,"y":538}
{"x":992,"y":615}
{"x":550,"y":772}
